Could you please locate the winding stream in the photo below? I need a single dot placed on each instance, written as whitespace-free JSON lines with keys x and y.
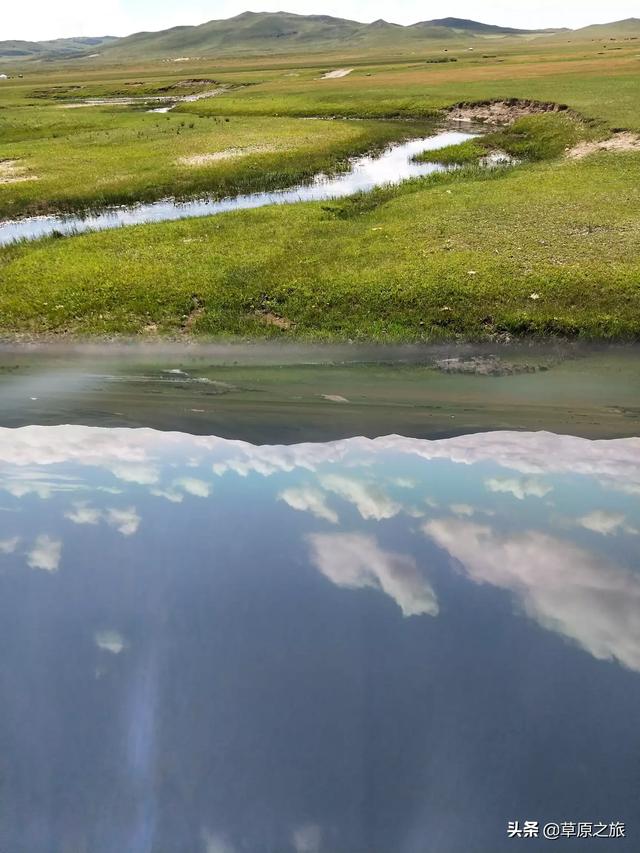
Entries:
{"x":392,"y":166}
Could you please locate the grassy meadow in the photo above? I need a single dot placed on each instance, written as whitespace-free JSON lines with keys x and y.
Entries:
{"x":546,"y":247}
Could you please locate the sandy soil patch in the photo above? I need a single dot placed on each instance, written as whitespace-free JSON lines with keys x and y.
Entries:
{"x":210,"y":93}
{"x":145,"y":99}
{"x":502,"y":112}
{"x":271,"y":319}
{"x":227,"y":154}
{"x":334,"y":398}
{"x":339,"y":72}
{"x":109,"y":102}
{"x":625,"y":141}
{"x":11,"y":172}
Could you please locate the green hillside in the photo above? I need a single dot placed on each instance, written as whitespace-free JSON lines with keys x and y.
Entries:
{"x":277,"y":33}
{"x":66,"y":48}
{"x":465,"y":25}
{"x":630,"y":27}
{"x":255,"y":33}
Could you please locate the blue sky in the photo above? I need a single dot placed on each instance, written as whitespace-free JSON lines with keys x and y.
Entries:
{"x":41,"y":19}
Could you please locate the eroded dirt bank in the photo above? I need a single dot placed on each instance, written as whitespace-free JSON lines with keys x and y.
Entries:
{"x":504,"y":112}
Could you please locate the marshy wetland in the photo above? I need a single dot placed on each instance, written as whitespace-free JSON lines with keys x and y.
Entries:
{"x":399,"y":162}
{"x":545,"y":248}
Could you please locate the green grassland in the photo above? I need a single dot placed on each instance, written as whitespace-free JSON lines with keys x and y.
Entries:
{"x":118,"y":155}
{"x":548,"y":247}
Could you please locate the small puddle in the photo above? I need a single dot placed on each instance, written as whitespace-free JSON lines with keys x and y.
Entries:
{"x":392,"y":166}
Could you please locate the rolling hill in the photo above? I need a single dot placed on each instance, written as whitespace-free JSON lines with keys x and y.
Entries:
{"x":65,"y":48}
{"x":630,"y":27}
{"x":264,"y":33}
{"x":284,"y":32}
{"x":475,"y":27}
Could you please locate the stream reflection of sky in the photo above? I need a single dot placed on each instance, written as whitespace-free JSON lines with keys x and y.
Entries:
{"x":388,"y":645}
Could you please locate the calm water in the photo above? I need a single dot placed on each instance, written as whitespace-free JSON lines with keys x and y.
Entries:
{"x":388,"y":645}
{"x":393,"y":165}
{"x":355,"y":646}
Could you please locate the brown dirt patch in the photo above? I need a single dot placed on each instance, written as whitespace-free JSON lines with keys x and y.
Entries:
{"x":334,"y":75}
{"x":271,"y":319}
{"x":12,"y":172}
{"x":502,"y":112}
{"x":227,"y":154}
{"x":624,"y":141}
{"x":196,"y":311}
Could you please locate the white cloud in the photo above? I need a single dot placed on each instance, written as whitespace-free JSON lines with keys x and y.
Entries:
{"x":520,"y":488}
{"x":195,"y":487}
{"x":307,"y":838}
{"x":404,"y":483}
{"x":462,"y":510}
{"x":215,"y":843}
{"x":136,"y":455}
{"x":82,"y":513}
{"x":565,"y":588}
{"x":8,"y":546}
{"x":45,"y":554}
{"x":171,"y":494}
{"x":355,"y":561}
{"x":125,"y":521}
{"x":20,"y":489}
{"x":370,"y":500}
{"x":532,"y":454}
{"x":110,"y":641}
{"x":131,"y":472}
{"x":308,"y":499}
{"x":601,"y":521}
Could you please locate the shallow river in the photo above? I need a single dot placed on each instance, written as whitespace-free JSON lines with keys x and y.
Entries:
{"x":311,"y":641}
{"x":393,"y":165}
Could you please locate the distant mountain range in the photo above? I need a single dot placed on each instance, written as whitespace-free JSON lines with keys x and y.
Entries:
{"x":56,"y":48}
{"x":260,"y":33}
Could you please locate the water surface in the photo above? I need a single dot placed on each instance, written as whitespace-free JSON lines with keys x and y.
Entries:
{"x":274,"y":394}
{"x":312,"y":641}
{"x":338,"y":647}
{"x":393,"y":165}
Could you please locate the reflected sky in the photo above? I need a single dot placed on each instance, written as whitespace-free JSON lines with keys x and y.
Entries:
{"x":365,"y":645}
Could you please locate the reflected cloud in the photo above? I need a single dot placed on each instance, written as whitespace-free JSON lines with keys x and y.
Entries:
{"x":143,"y":475}
{"x":35,"y":483}
{"x":370,"y":500}
{"x":125,"y":521}
{"x":135,"y":455}
{"x":308,"y":499}
{"x":8,"y":546}
{"x":564,"y":587}
{"x":404,"y":483}
{"x":601,"y":521}
{"x":45,"y":554}
{"x":214,"y":843}
{"x":307,"y":838}
{"x":172,"y":495}
{"x":463,"y":510}
{"x":195,"y":487}
{"x":82,"y":513}
{"x":520,"y":488}
{"x":110,"y":641}
{"x":356,"y":561}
